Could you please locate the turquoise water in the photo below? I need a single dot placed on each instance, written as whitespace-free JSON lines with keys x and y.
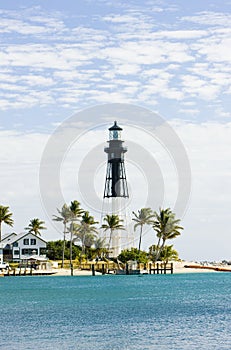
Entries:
{"x":172,"y":312}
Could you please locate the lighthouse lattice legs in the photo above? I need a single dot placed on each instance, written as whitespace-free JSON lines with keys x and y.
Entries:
{"x":115,"y":248}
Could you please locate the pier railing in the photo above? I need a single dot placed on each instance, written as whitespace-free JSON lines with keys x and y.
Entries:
{"x":159,"y":268}
{"x":113,"y":267}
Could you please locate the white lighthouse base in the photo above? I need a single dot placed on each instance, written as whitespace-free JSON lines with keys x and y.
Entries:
{"x":118,"y":240}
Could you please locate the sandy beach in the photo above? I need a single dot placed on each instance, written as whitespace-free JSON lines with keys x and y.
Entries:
{"x":178,"y":267}
{"x":76,"y":272}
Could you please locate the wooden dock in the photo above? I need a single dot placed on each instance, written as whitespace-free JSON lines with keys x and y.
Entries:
{"x":27,"y":272}
{"x":114,"y":268}
{"x":104,"y":267}
{"x":160,"y":268}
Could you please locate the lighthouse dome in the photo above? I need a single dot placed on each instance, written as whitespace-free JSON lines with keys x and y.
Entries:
{"x":115,"y":127}
{"x":115,"y":132}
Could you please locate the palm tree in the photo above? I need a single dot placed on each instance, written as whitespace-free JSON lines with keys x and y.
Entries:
{"x":64,"y":217}
{"x":99,"y":244}
{"x":159,"y":225}
{"x":144,"y":217}
{"x":5,"y":216}
{"x":85,"y":231}
{"x":35,"y":226}
{"x":113,"y":223}
{"x":166,"y":227}
{"x":76,"y":212}
{"x":167,"y":253}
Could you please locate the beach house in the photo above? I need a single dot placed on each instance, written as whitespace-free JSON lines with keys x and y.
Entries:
{"x":17,"y":247}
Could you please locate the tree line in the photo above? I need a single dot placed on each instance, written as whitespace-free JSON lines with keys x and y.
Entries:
{"x":80,"y":227}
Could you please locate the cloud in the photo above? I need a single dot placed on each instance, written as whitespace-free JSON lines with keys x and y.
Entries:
{"x":30,"y":21}
{"x":119,"y":19}
{"x":188,"y":111}
{"x":180,"y":34}
{"x":13,"y":25}
{"x":209,"y":18}
{"x":215,"y":50}
{"x":50,"y":59}
{"x":41,"y":56}
{"x":197,"y":86}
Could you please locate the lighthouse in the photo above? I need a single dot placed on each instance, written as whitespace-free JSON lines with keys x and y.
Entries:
{"x":116,"y":188}
{"x":116,"y":183}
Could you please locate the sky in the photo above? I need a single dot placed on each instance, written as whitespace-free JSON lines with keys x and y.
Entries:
{"x":162,"y":69}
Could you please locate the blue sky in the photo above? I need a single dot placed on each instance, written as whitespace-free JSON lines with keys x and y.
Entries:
{"x":172,"y":57}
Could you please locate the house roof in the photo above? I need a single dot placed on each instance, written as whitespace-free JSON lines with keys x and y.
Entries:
{"x":22,"y":235}
{"x":6,"y":236}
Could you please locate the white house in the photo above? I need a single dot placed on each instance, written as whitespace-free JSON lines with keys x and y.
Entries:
{"x":5,"y":238}
{"x":19,"y":247}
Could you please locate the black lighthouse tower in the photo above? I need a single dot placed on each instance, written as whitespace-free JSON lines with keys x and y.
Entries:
{"x":116,"y":183}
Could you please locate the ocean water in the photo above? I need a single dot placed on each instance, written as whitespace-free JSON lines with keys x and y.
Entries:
{"x":164,"y":312}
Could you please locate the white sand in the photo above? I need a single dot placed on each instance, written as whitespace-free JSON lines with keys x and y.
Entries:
{"x":178,"y":267}
{"x":76,"y":272}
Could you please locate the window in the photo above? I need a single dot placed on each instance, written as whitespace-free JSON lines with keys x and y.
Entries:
{"x":42,"y":251}
{"x":16,"y":252}
{"x":15,"y":244}
{"x":33,"y":241}
{"x":29,"y":251}
{"x":26,"y":241}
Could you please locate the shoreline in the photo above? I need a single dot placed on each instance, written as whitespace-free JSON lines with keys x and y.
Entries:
{"x":178,"y":267}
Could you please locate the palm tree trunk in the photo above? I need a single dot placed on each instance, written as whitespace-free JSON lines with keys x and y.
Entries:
{"x":157,"y":250}
{"x":160,"y":250}
{"x":109,"y":243}
{"x":141,"y":229}
{"x":110,"y":239}
{"x":83,"y":245}
{"x":82,"y":250}
{"x":71,"y":264}
{"x":64,"y":244}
